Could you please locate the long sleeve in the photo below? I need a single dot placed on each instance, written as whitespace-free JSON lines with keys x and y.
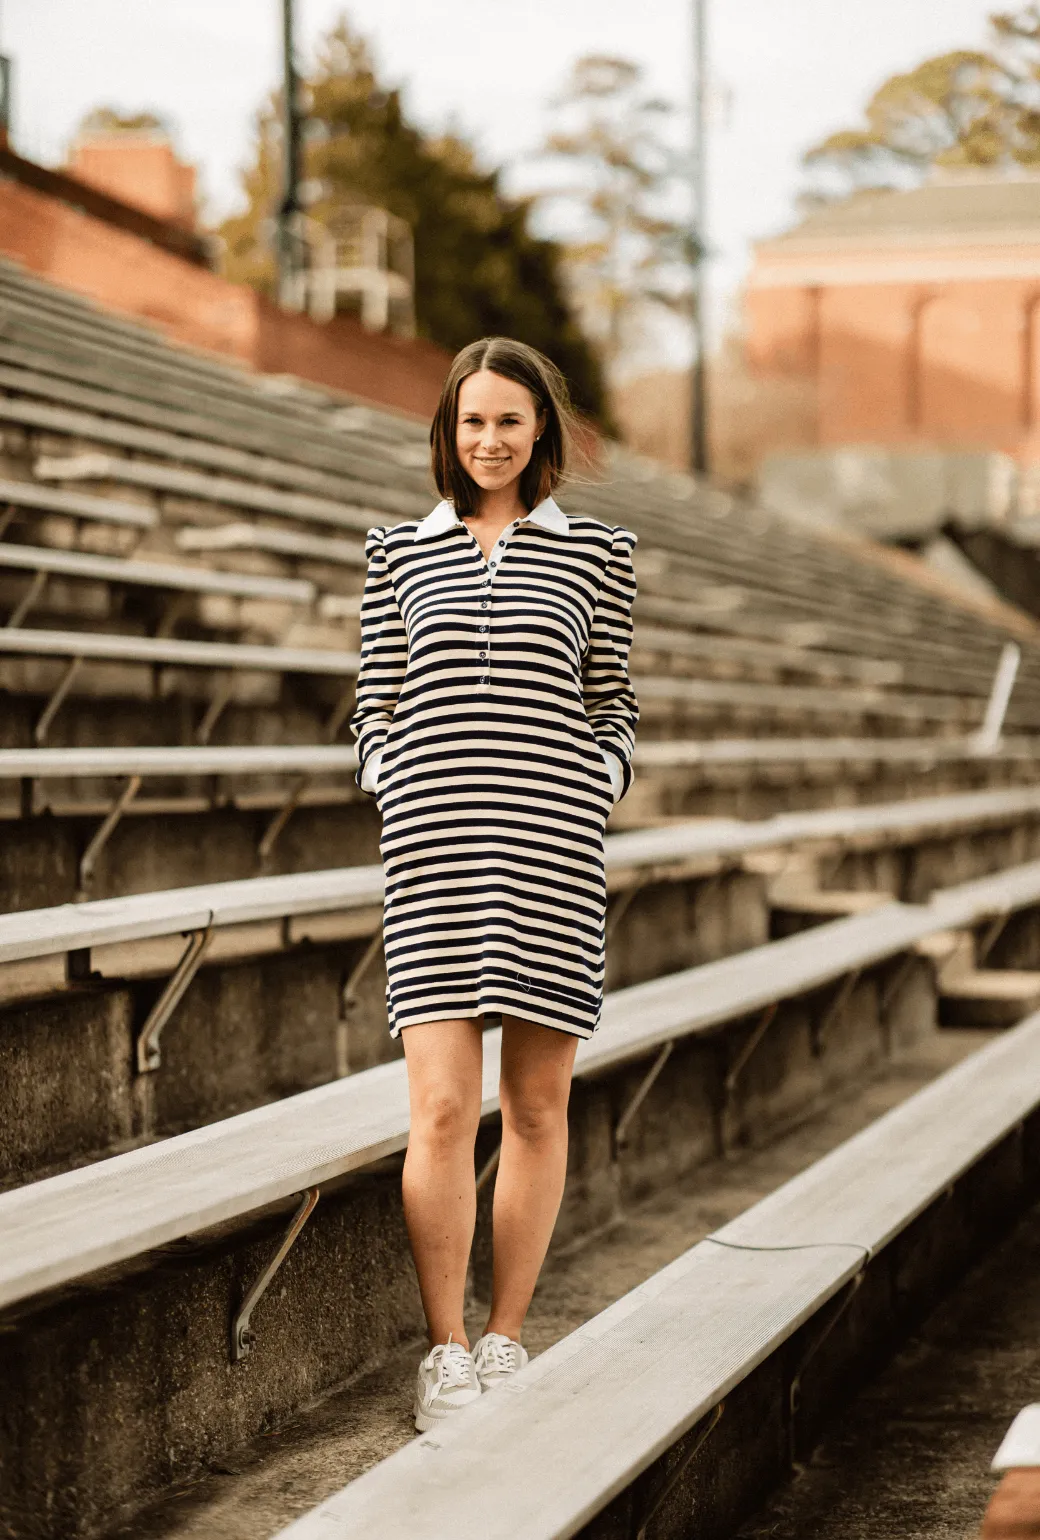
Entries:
{"x":610,"y":701}
{"x":384,"y":657}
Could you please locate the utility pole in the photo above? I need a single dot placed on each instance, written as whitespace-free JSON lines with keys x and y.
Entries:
{"x":699,"y":233}
{"x":290,"y":245}
{"x":6,"y":71}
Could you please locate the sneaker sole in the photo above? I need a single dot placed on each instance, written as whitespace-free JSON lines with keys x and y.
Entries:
{"x":425,"y":1420}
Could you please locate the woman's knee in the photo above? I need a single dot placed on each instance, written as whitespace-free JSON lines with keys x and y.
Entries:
{"x":443,"y":1116}
{"x":535,"y":1113}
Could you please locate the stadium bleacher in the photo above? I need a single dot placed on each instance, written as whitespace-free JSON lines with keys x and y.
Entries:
{"x":198,"y":1040}
{"x":687,"y":1356}
{"x":98,"y":1226}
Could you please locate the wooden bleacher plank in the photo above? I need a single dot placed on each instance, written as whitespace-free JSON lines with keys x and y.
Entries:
{"x":144,"y":916}
{"x":680,"y":753}
{"x":96,"y":646}
{"x":91,"y":466}
{"x":108,"y":510}
{"x":812,"y":699}
{"x":66,"y":1226}
{"x":771,"y":655}
{"x":149,"y":574}
{"x":248,"y":759}
{"x":588,"y":1416}
{"x":279,"y":542}
{"x":179,"y":447}
{"x":651,"y":853}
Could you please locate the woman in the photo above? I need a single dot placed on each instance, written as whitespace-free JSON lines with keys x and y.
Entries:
{"x":494,"y":725}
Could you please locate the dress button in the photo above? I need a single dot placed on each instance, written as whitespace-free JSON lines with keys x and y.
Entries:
{"x":483,"y":657}
{"x":483,"y":628}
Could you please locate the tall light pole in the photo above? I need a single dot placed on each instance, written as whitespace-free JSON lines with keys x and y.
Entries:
{"x":289,"y":242}
{"x":5,"y":94}
{"x":699,"y":233}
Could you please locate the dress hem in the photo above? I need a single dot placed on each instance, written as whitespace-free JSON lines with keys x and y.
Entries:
{"x":504,"y":1008}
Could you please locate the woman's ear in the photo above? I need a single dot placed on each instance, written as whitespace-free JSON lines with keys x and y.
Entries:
{"x":540,"y":425}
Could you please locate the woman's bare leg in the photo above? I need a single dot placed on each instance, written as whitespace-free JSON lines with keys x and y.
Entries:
{"x":444,"y":1082}
{"x":537,"y":1063}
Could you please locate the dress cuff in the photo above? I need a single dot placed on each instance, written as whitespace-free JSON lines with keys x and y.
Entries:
{"x":370,"y":774}
{"x":616,"y":771}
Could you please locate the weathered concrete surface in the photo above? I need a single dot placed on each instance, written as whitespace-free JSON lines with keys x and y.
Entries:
{"x":283,"y":1026}
{"x":743,"y":791}
{"x":40,"y":856}
{"x":144,"y":1347}
{"x":277,"y":1477}
{"x":69,"y":1092}
{"x":909,"y":1459}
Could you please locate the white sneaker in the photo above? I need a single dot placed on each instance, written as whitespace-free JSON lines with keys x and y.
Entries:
{"x":447,"y":1380}
{"x":496,"y":1357}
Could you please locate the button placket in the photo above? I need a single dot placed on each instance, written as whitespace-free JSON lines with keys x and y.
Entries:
{"x":484,"y":629}
{"x":486,"y":588}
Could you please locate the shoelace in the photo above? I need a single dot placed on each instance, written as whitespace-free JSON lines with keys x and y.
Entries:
{"x":451,"y":1361}
{"x":500,"y":1354}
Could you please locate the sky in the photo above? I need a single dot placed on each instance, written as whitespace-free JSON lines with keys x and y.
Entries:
{"x":784,"y":72}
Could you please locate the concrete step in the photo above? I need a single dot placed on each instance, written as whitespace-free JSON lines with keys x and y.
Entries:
{"x":989,"y":997}
{"x":272,"y":1480}
{"x":92,"y":1361}
{"x":69,"y":1093}
{"x":794,"y":908}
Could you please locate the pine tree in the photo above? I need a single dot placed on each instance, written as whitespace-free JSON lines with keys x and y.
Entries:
{"x":478,"y":269}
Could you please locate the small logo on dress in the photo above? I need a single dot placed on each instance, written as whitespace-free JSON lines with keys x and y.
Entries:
{"x":524,"y":982}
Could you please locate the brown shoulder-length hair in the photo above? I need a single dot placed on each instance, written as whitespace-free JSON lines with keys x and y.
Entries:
{"x":526,"y":366}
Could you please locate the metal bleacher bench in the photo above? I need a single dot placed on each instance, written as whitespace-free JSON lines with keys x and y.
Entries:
{"x":68,"y":1226}
{"x":211,"y":488}
{"x":79,"y":647}
{"x":637,"y":858}
{"x":588,"y":1416}
{"x":678,"y":753}
{"x":44,"y":562}
{"x":866,"y":700}
{"x":198,"y":449}
{"x":278,"y":542}
{"x":106,"y":510}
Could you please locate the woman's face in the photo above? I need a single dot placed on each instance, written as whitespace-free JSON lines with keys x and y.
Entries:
{"x":498,"y":423}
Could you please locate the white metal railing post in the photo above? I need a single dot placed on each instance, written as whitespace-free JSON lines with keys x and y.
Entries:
{"x":988,"y":736}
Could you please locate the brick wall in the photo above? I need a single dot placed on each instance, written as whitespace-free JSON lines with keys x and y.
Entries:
{"x":187,"y":303}
{"x":946,"y":361}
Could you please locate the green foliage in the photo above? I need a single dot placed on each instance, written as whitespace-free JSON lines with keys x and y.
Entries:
{"x":631,"y":254}
{"x":966,"y":108}
{"x":478,"y":270}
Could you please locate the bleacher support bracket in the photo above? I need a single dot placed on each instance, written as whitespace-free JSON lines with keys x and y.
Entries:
{"x":242,"y":1334}
{"x":737,"y":1068}
{"x":53,"y":706}
{"x":680,"y":1470}
{"x":88,"y":860}
{"x":149,"y":1057}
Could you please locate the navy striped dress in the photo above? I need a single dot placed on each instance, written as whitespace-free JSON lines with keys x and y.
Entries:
{"x":488,"y":688}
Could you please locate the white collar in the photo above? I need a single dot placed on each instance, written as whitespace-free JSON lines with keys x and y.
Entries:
{"x":548,"y":514}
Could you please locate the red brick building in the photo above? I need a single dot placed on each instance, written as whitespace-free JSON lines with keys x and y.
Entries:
{"x":138,"y":166}
{"x":915,"y":316}
{"x":122,"y":233}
